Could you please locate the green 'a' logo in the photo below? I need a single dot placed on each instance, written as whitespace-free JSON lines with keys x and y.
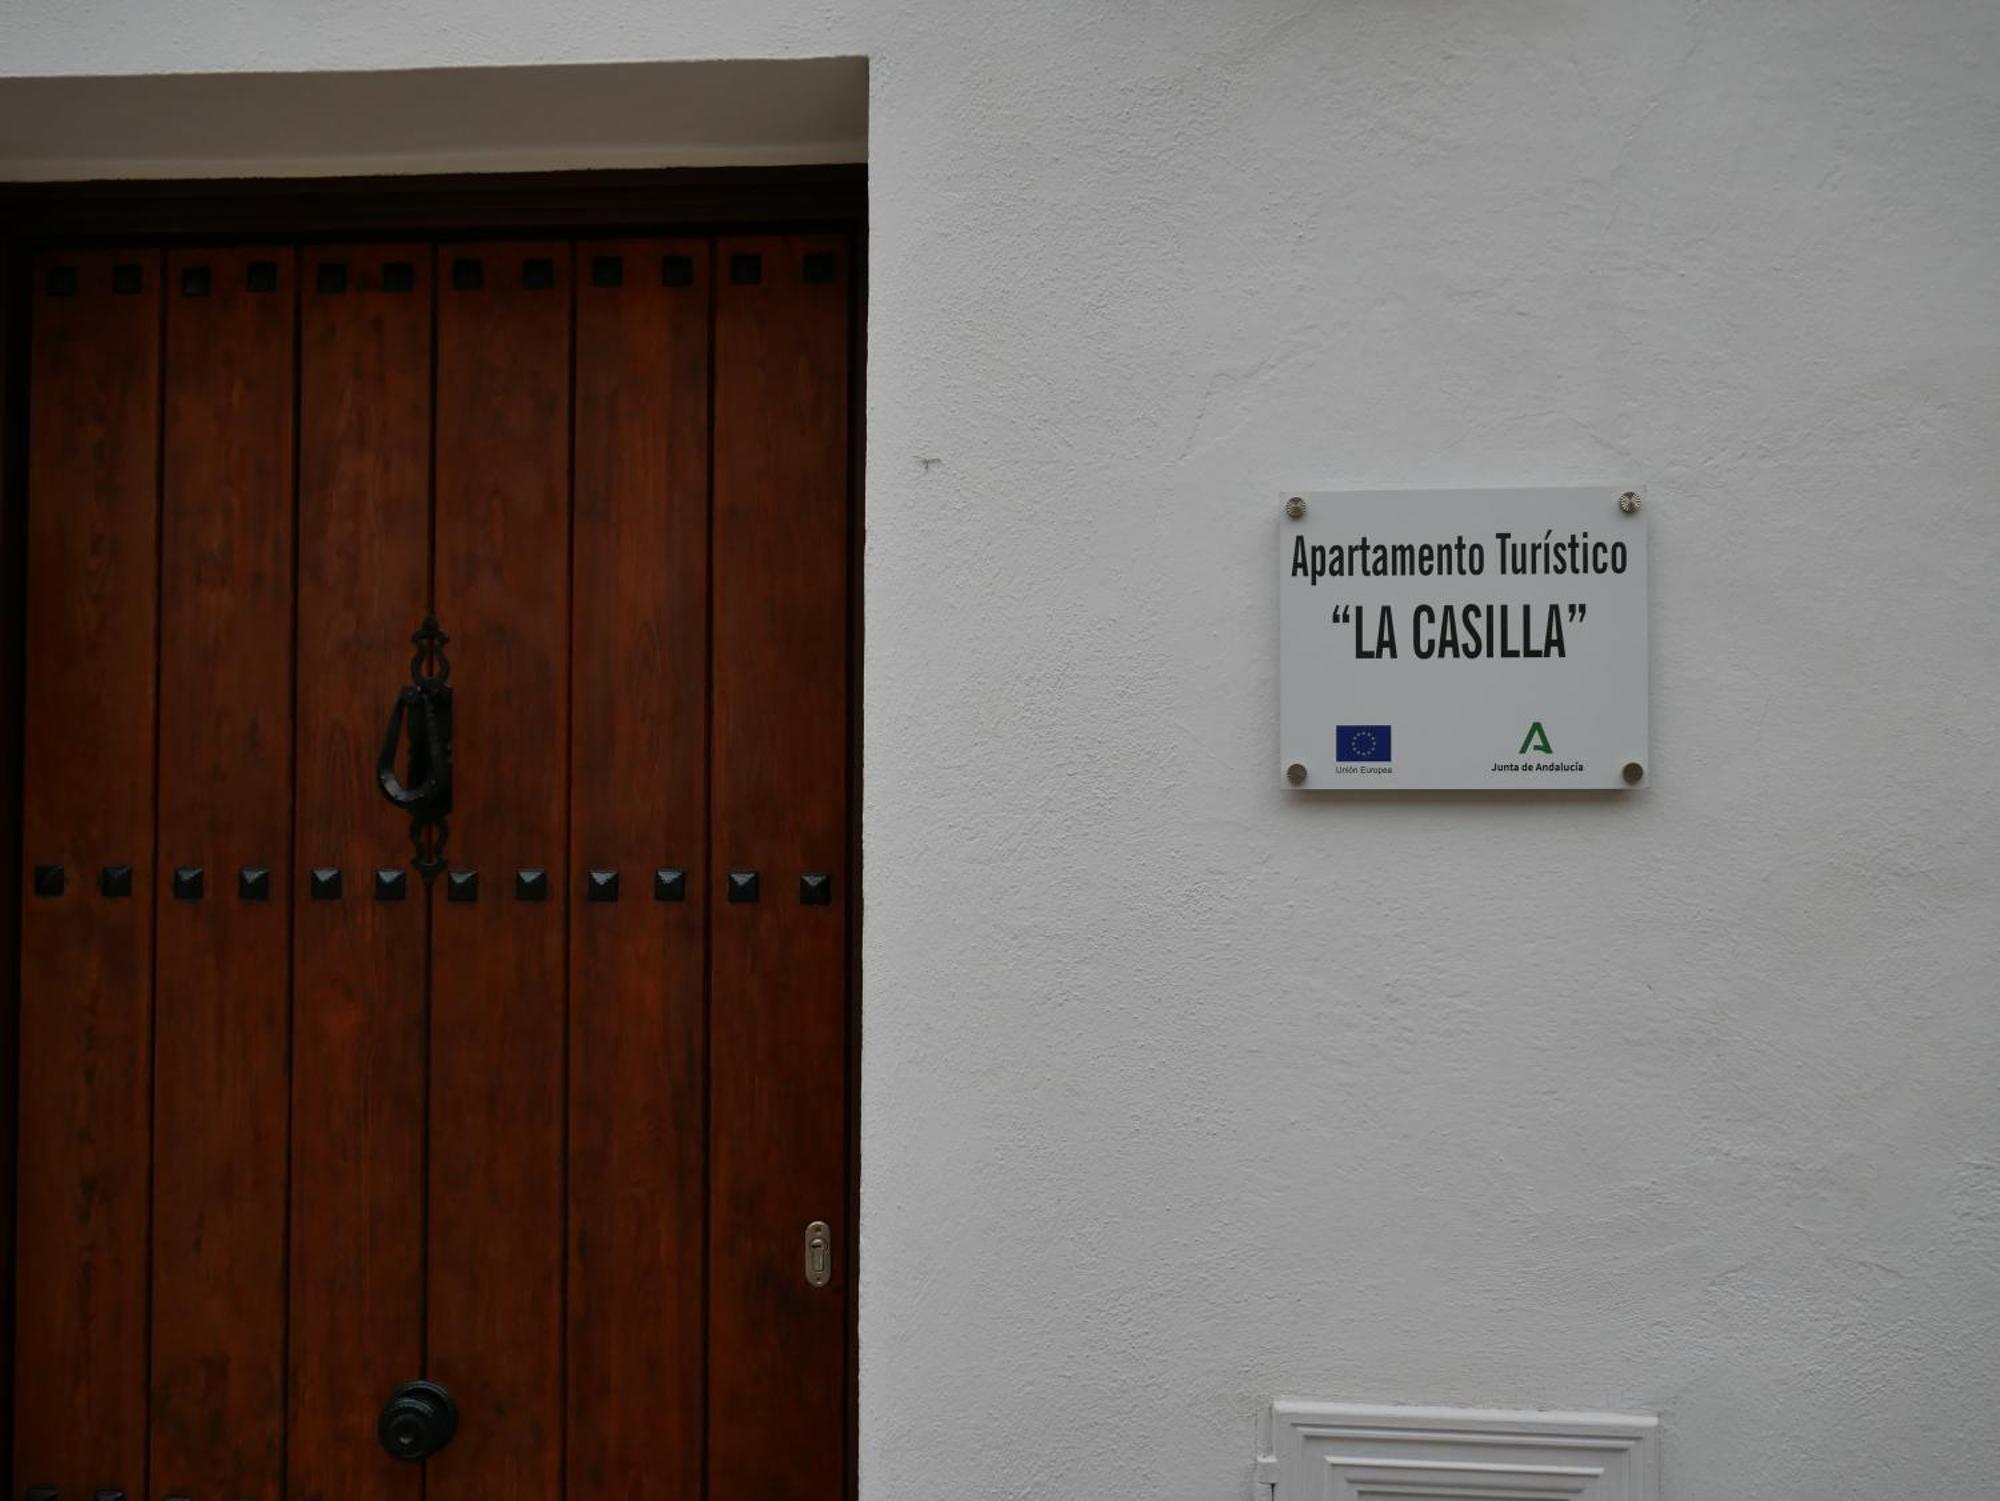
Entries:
{"x":1536,"y":738}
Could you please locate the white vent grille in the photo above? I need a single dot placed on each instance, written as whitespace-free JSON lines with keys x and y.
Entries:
{"x":1343,"y":1451}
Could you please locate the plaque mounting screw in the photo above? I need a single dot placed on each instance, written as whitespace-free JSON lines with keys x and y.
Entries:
{"x":1634,"y":772}
{"x":1629,"y":502}
{"x":1296,"y":773}
{"x":1295,"y":507}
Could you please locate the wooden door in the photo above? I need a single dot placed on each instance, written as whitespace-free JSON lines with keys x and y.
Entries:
{"x":562,"y":1125}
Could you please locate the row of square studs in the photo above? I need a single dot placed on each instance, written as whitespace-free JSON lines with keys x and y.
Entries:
{"x":468,"y":274}
{"x":253,"y":884}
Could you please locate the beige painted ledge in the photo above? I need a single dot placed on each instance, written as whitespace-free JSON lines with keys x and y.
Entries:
{"x":667,"y":114}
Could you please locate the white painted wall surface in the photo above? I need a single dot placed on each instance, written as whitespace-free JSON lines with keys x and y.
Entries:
{"x":1181,"y":1091}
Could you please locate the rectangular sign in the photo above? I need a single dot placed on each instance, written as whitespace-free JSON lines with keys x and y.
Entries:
{"x":1461,"y":639}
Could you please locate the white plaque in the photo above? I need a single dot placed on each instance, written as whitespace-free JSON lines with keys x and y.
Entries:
{"x":1461,"y":639}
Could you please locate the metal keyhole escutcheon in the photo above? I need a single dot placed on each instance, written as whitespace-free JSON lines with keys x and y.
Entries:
{"x":418,"y":1420}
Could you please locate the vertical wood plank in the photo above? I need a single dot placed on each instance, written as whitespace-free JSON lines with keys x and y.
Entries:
{"x":778,"y":1012}
{"x":357,"y":1260}
{"x":14,"y":364}
{"x":498,"y":963}
{"x":638,"y":804}
{"x":86,"y":958}
{"x":221,"y":1052}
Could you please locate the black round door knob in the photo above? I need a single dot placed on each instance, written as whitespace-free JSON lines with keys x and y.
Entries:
{"x":418,"y":1420}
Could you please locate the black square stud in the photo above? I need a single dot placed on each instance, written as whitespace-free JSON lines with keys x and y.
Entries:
{"x":461,"y":886}
{"x":326,"y":883}
{"x":48,"y":880}
{"x":677,"y":271}
{"x":743,"y":885}
{"x":189,"y":883}
{"x":115,"y":880}
{"x":601,"y":886}
{"x":253,"y":883}
{"x":262,"y":276}
{"x":669,"y":885}
{"x":746,"y":270}
{"x":819,"y":269}
{"x":108,"y":1494}
{"x":390,"y":884}
{"x":127,"y":281}
{"x":538,"y":273}
{"x":399,"y":276}
{"x":39,"y":1493}
{"x":60,"y":281}
{"x":467,"y":274}
{"x":194,"y":281}
{"x":607,"y":270}
{"x":816,"y":889}
{"x":330,"y":277}
{"x":531,"y":885}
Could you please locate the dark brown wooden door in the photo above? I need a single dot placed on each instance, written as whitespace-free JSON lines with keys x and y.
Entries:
{"x":298,"y":1125}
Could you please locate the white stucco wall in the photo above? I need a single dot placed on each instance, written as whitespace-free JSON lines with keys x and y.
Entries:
{"x":1180,"y":1091}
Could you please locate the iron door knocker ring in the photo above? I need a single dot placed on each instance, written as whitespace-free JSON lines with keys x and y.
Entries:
{"x":424,"y":789}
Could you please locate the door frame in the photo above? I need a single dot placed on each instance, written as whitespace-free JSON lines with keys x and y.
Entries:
{"x":674,"y":200}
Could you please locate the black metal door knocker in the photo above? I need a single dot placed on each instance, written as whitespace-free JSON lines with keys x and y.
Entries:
{"x":424,"y":789}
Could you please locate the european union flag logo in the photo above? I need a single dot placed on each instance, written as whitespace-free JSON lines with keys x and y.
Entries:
{"x":1361,"y":742}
